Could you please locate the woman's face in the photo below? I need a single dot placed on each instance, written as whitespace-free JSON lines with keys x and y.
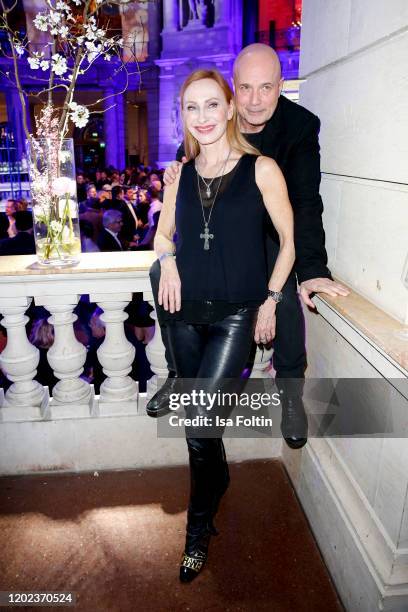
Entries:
{"x":206,"y":111}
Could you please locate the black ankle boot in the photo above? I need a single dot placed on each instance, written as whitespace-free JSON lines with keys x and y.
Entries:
{"x":294,"y":426}
{"x":195,"y":553}
{"x":159,"y":404}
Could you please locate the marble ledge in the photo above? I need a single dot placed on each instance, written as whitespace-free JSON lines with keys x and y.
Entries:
{"x":374,"y":323}
{"x":122,"y":261}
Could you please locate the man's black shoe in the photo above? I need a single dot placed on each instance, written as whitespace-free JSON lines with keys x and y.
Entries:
{"x":159,"y":404}
{"x":294,"y":425}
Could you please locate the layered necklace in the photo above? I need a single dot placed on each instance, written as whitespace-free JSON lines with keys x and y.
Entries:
{"x":205,"y":235}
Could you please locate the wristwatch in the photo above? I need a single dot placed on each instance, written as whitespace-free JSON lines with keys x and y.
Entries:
{"x":277,"y":296}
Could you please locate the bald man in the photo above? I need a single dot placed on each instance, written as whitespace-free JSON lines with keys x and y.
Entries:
{"x":288,"y":133}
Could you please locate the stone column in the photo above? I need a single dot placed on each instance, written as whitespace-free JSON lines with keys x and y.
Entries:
{"x":119,"y":392}
{"x":154,"y":30}
{"x":155,"y":353}
{"x":71,"y":396}
{"x":114,"y":128}
{"x":19,"y":360}
{"x":170,"y":15}
{"x":222,"y":12}
{"x":15,"y":115}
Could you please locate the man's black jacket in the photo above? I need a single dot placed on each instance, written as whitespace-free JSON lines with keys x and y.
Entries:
{"x":129,"y":228}
{"x":291,"y":138}
{"x":22,"y":243}
{"x":106,"y":242}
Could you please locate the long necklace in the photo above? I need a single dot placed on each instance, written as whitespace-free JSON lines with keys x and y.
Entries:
{"x":206,"y":234}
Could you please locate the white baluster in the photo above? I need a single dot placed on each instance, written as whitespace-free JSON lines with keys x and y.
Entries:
{"x":71,"y":396}
{"x":119,"y":392}
{"x":155,"y":353}
{"x":261,"y":362}
{"x":26,"y":398}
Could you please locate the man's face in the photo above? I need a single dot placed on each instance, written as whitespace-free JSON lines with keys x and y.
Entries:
{"x":92,"y":192}
{"x":130,"y":194}
{"x":116,"y":226}
{"x":80,"y":179}
{"x":156,"y":185}
{"x":10,"y":207}
{"x":257,"y":89}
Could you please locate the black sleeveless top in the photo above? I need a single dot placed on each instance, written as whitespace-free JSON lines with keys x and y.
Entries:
{"x":232,"y":273}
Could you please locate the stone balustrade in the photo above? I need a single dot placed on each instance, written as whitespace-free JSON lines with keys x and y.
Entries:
{"x":109,"y":279}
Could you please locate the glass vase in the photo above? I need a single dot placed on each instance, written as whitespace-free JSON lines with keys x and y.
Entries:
{"x":54,"y":201}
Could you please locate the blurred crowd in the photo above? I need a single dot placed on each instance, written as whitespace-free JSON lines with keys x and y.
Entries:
{"x":117,"y":211}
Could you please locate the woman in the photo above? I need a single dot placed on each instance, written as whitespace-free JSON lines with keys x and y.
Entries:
{"x":216,"y":292}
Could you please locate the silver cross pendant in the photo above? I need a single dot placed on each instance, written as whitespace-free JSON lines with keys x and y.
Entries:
{"x":207,"y":237}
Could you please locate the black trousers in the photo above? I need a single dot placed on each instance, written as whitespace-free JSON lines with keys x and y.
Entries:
{"x":289,"y":356}
{"x":214,"y":355}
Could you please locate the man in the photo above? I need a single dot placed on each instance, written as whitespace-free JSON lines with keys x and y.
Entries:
{"x":92,"y":213}
{"x":130,"y":220}
{"x":288,"y":133}
{"x":91,"y":197}
{"x":81,"y":187}
{"x":23,"y":242}
{"x":108,"y":239}
{"x":10,"y":209}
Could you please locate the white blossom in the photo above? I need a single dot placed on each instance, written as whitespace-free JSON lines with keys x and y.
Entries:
{"x":19,"y":49}
{"x":64,"y":156}
{"x":77,"y":2}
{"x":59,"y":64}
{"x":56,"y":226}
{"x":79,"y":115}
{"x":55,"y":17}
{"x":44,"y":64}
{"x":64,"y":31}
{"x":63,"y":185}
{"x":34,"y":63}
{"x":62,"y":6}
{"x":41,"y":22}
{"x":93,"y":50}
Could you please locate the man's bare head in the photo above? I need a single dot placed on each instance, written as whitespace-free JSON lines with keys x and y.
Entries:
{"x":258,"y":83}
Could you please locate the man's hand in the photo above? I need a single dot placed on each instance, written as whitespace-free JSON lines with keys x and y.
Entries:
{"x":321,"y":285}
{"x":172,"y":171}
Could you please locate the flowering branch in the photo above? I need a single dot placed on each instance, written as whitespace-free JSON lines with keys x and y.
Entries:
{"x":77,"y":41}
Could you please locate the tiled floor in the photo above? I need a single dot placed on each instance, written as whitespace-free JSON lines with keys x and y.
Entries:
{"x":116,"y":538}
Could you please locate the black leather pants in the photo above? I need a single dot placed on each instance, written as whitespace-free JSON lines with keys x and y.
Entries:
{"x":210,"y":353}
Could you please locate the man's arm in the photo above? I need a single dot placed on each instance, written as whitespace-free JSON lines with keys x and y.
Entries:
{"x":303,"y":179}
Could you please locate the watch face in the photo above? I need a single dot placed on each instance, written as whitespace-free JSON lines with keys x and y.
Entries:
{"x":275,"y":295}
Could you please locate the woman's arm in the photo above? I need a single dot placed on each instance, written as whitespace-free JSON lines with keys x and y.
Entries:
{"x":272,"y":185}
{"x":170,"y":287}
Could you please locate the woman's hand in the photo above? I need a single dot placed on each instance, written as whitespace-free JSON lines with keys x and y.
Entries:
{"x":266,"y":322}
{"x":170,"y":286}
